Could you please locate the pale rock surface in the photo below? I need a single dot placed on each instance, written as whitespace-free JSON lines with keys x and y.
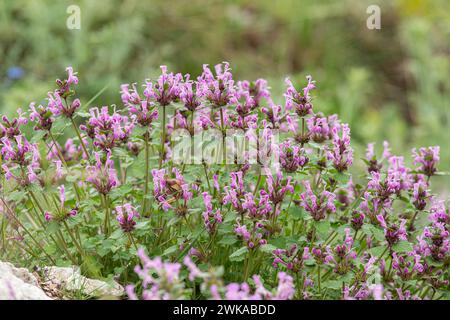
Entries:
{"x":19,"y":284}
{"x":70,"y":279}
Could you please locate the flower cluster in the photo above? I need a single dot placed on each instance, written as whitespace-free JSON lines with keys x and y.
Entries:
{"x":287,"y":207}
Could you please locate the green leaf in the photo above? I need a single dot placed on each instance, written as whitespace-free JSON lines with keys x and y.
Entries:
{"x":17,"y":196}
{"x":333,"y":284}
{"x":322,"y":227}
{"x":239,"y":254}
{"x":268,"y":248}
{"x":170,"y":250}
{"x":372,"y":230}
{"x":52,"y":227}
{"x":38,"y":136}
{"x":377,"y":251}
{"x":296,"y":213}
{"x":228,"y":240}
{"x":402,"y":246}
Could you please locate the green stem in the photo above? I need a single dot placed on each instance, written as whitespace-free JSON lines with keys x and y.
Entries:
{"x":257,"y":182}
{"x":130,"y":236}
{"x":163,"y":137}
{"x":248,"y":262}
{"x":63,"y":161}
{"x":303,"y":130}
{"x":318,"y":279}
{"x":60,"y":237}
{"x":73,"y":238}
{"x":207,"y":177}
{"x":107,"y":224}
{"x":79,"y":137}
{"x":27,"y":232}
{"x":144,"y":199}
{"x":224,"y":150}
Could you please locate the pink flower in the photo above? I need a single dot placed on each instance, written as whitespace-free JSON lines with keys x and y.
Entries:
{"x":427,"y":158}
{"x":103,"y":174}
{"x":125,"y":216}
{"x":166,"y":89}
{"x":217,"y":89}
{"x":342,"y":154}
{"x":299,"y":101}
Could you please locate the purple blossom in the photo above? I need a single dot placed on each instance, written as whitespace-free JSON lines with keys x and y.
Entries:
{"x":293,"y":258}
{"x":107,"y":131}
{"x":19,"y":153}
{"x":257,"y":89}
{"x":320,"y":128}
{"x":11,"y":127}
{"x":292,"y":157}
{"x":218,"y":89}
{"x":273,"y":114}
{"x":189,"y":94}
{"x":342,"y":256}
{"x":102,"y":175}
{"x":393,"y":232}
{"x":300,"y":101}
{"x":42,"y":116}
{"x":166,"y":89}
{"x":126,"y":215}
{"x":317,"y":206}
{"x":167,"y":190}
{"x":278,"y":187}
{"x":342,"y":154}
{"x":61,"y":213}
{"x":420,"y":195}
{"x":427,"y":158}
{"x":211,"y":219}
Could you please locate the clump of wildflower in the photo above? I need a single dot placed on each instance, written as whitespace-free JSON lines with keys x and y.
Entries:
{"x":373,"y":164}
{"x":427,"y":158}
{"x":357,"y":220}
{"x":218,"y":89}
{"x":342,"y":154}
{"x":342,"y":256}
{"x":317,"y":206}
{"x":211,"y":218}
{"x":420,"y":195}
{"x":43,"y":117}
{"x":393,"y":232}
{"x":143,"y":111}
{"x":257,"y":208}
{"x":168,"y":190}
{"x":253,"y":238}
{"x":161,"y":280}
{"x":57,"y":100}
{"x":300,"y":101}
{"x":273,"y":114}
{"x":102,"y":175}
{"x":107,"y":131}
{"x":61,"y":212}
{"x":70,"y":151}
{"x":292,"y":157}
{"x":19,"y":153}
{"x":11,"y":127}
{"x":189,"y":94}
{"x":258,"y":90}
{"x":293,"y":258}
{"x":320,"y":127}
{"x":435,"y":239}
{"x":166,"y":89}
{"x":126,"y":215}
{"x":278,"y":187}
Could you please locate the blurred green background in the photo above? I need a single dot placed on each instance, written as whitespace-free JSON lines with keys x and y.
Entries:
{"x":392,"y":83}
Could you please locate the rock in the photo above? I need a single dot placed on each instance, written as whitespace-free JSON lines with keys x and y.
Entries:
{"x":70,"y":279}
{"x":19,"y":284}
